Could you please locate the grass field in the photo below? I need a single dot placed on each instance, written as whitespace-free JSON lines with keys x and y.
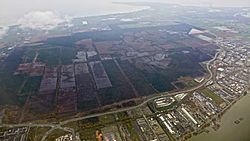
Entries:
{"x":9,"y":83}
{"x":217,"y":99}
{"x":132,"y":131}
{"x":9,"y":87}
{"x":55,"y":134}
{"x":36,"y":133}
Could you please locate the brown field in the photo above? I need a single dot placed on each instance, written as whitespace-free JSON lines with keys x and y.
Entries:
{"x":139,"y":44}
{"x":193,"y":42}
{"x":67,"y":77}
{"x":23,"y":68}
{"x":42,"y":103}
{"x":49,"y":80}
{"x":167,"y":46}
{"x":100,"y":76}
{"x":87,"y":43}
{"x":104,"y":47}
{"x":31,"y":69}
{"x":86,"y":92}
{"x":37,"y":69}
{"x":66,"y":100}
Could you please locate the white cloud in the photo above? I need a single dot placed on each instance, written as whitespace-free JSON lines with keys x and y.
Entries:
{"x":3,"y":31}
{"x":247,"y":15}
{"x":214,"y":10}
{"x":44,"y":20}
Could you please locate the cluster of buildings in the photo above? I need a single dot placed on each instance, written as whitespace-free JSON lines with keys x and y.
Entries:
{"x":195,"y":111}
{"x":179,"y":122}
{"x":232,"y":66}
{"x":190,"y":115}
{"x":14,"y":134}
{"x":67,"y":137}
{"x":164,"y":102}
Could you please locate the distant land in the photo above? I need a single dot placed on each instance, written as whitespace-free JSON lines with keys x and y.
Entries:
{"x":166,"y":73}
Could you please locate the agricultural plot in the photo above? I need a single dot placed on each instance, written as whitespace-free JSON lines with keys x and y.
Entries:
{"x":138,"y":44}
{"x":10,"y":84}
{"x":184,"y":62}
{"x":193,"y":42}
{"x":86,"y":95}
{"x":37,"y":69}
{"x":23,"y":68}
{"x":120,"y":90}
{"x":67,"y":55}
{"x":100,"y":76}
{"x":31,"y":69}
{"x":31,"y":86}
{"x":49,"y":56}
{"x":87,"y":46}
{"x":82,"y":75}
{"x":167,"y":46}
{"x":134,"y":62}
{"x":67,"y":77}
{"x":49,"y":80}
{"x":66,"y":100}
{"x":105,"y":47}
{"x":42,"y":103}
{"x":137,"y":79}
{"x":9,"y":87}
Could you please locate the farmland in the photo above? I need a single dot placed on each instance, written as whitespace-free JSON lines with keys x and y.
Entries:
{"x":94,"y":69}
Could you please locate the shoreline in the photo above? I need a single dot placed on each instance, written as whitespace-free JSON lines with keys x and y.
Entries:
{"x":227,"y":120}
{"x":134,"y":8}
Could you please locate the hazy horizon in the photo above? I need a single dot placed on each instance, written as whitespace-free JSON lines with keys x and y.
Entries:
{"x":12,"y":11}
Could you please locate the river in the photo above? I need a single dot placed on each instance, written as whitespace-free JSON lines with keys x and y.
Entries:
{"x":229,"y":131}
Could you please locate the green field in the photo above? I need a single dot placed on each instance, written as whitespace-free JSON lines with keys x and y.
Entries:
{"x":30,"y":55}
{"x":217,"y":99}
{"x":10,"y":84}
{"x":36,"y":133}
{"x":55,"y":134}
{"x":132,"y":131}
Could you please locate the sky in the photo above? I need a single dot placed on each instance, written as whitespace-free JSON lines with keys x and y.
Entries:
{"x":18,"y":11}
{"x":216,"y":3}
{"x":12,"y":10}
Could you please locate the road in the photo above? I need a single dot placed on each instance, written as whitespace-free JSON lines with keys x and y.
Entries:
{"x":149,"y":99}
